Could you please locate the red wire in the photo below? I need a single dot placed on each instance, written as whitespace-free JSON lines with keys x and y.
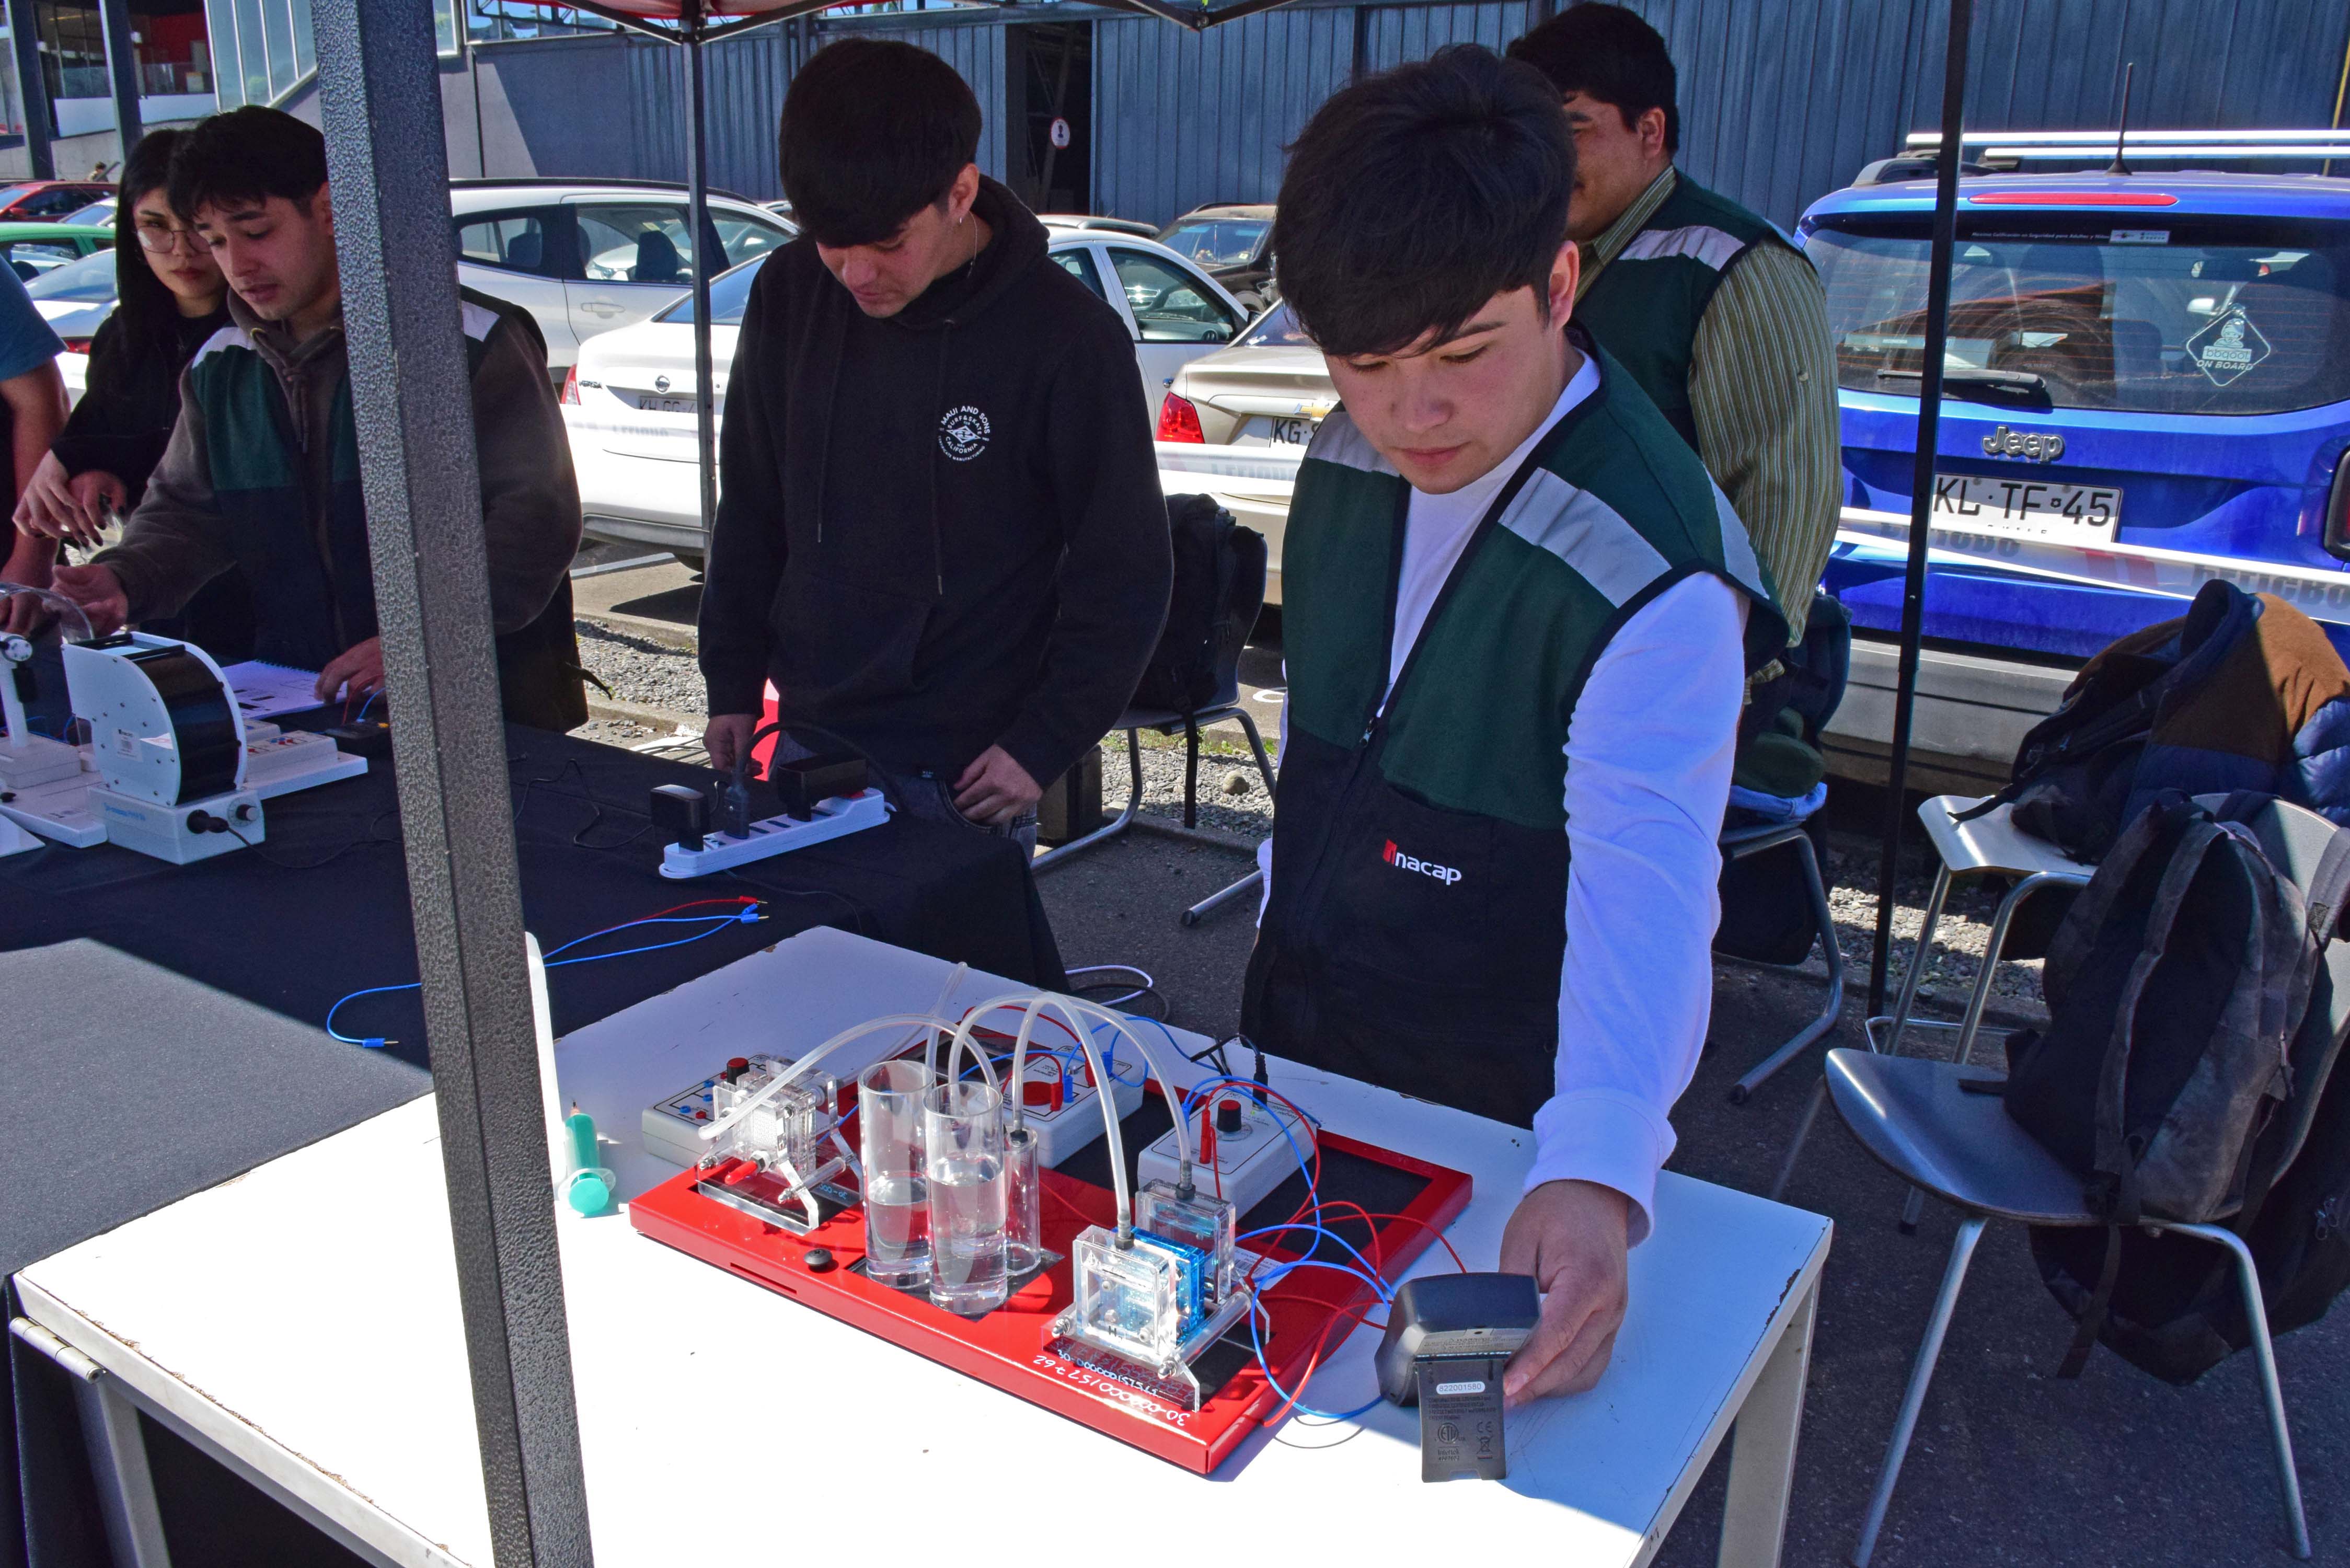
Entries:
{"x":738,"y":901}
{"x":1423,"y":1225}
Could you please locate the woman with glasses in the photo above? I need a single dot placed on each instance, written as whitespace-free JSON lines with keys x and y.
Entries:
{"x":171,"y":298}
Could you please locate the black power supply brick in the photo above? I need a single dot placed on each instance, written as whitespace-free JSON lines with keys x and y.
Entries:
{"x":1449,"y":1336}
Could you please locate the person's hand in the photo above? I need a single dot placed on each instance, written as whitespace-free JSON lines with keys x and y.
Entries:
{"x":46,"y":509}
{"x":98,"y":592}
{"x":1570,"y":1236}
{"x":100,"y":496}
{"x":357,"y":672}
{"x":995,"y":788}
{"x":727,"y":737}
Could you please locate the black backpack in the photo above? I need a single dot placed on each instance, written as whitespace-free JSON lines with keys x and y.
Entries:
{"x":2186,"y":1074}
{"x":2076,"y":770}
{"x":1219,"y":589}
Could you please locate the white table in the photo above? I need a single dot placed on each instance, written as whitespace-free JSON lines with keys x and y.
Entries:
{"x":255,"y":1319}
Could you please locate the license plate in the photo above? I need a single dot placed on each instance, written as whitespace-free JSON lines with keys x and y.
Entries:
{"x":2033,"y":508}
{"x":668,"y":405}
{"x":1291,"y":432}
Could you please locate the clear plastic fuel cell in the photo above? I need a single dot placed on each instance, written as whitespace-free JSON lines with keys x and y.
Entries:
{"x":897,"y":1189}
{"x":962,"y":1137}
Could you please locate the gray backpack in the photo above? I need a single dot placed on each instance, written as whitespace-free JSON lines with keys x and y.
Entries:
{"x":2177,"y":988}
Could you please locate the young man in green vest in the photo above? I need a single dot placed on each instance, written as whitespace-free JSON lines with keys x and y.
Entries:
{"x":1517,"y":620}
{"x":262,"y":468}
{"x":1720,"y":320}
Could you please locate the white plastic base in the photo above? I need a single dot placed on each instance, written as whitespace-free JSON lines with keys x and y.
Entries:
{"x":58,"y":810}
{"x":31,"y":760}
{"x":1249,"y":1164}
{"x":1078,"y":1122}
{"x":833,"y":818}
{"x":14,"y":840}
{"x":162,"y":831}
{"x":280,"y":764}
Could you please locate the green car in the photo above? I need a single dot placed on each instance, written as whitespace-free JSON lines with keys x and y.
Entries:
{"x":33,"y":248}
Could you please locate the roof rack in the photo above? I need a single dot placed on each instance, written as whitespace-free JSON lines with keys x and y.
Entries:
{"x":2021,"y":146}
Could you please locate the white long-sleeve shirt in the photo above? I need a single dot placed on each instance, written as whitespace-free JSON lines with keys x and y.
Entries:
{"x":1647,"y":778}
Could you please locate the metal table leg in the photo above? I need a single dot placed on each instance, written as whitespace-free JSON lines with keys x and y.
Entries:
{"x":118,"y":1452}
{"x":1762,"y":1448}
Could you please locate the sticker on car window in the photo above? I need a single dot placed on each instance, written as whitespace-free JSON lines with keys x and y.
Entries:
{"x":2228,"y":348}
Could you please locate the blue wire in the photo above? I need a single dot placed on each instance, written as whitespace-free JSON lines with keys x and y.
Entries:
{"x":1255,"y":1310}
{"x":748,"y":914}
{"x":369,"y":703}
{"x":1332,"y":1235}
{"x":1110,"y":1056}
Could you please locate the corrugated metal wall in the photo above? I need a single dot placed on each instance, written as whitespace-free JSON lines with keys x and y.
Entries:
{"x":1782,"y":101}
{"x":638,"y":131}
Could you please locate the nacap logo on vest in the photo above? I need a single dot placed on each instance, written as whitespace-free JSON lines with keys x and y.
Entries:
{"x":1448,"y":875}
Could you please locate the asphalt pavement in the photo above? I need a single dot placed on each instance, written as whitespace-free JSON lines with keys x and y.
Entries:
{"x":2010,"y":1465}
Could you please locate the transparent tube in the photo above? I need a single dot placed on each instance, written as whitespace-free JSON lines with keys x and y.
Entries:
{"x":897,"y":1198}
{"x":1023,"y":1203}
{"x":962,"y":1139}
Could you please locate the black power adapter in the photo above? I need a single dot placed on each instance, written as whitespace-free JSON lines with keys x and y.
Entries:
{"x":1449,"y":1336}
{"x":805,"y":784}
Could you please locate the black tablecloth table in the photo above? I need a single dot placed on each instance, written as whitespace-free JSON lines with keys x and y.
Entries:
{"x":162,"y":1026}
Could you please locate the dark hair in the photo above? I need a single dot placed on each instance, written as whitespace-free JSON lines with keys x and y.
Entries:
{"x":146,"y":308}
{"x":873,"y":132}
{"x":248,"y":154}
{"x":1416,"y":196}
{"x":1608,"y":53}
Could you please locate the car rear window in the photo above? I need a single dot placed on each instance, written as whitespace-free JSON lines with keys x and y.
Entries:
{"x":2203,"y":316}
{"x":89,"y":280}
{"x":730,"y":293}
{"x":1222,"y":241}
{"x":1276,"y":328}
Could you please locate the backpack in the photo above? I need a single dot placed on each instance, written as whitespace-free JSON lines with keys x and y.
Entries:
{"x":2243,"y":691}
{"x":2184,"y":1075}
{"x":1219,"y":588}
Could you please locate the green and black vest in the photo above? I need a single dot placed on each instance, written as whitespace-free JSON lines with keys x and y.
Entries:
{"x":1416,"y":924}
{"x":314,"y":592}
{"x":1645,"y":305}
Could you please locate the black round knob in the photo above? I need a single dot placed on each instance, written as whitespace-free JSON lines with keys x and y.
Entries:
{"x":819,"y":1260}
{"x":1228,"y":1117}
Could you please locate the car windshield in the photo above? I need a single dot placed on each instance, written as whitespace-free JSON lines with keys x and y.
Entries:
{"x":2187,"y":316}
{"x":97,"y":212}
{"x":1221,"y":242}
{"x":729,"y":293}
{"x":89,"y":280}
{"x":1276,"y":328}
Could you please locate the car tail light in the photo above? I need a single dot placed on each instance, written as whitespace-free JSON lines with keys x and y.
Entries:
{"x":75,"y":344}
{"x":571,"y":385}
{"x":1179,"y":420}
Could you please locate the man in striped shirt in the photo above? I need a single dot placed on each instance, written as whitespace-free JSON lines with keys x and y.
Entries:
{"x":1721,"y":321}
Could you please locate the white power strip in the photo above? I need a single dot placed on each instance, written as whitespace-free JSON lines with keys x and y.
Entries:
{"x":1249,"y":1163}
{"x":1077,"y":1122}
{"x":774,"y":834}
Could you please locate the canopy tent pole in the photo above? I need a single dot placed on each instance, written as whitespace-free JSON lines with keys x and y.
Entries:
{"x":379,"y":97}
{"x":1921,"y":484}
{"x":697,"y":182}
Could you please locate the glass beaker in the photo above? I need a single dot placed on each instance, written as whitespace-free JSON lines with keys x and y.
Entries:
{"x":963,"y":1147}
{"x":897,"y":1198}
{"x":1024,"y":1236}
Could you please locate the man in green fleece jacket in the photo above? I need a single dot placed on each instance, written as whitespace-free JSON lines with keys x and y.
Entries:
{"x":262,"y":468}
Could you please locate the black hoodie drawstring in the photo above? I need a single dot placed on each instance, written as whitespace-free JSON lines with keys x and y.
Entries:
{"x":938,"y":401}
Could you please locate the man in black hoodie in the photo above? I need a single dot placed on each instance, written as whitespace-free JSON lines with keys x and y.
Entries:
{"x":941,"y":535}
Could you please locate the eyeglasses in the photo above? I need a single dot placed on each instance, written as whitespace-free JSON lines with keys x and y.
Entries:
{"x":162,"y":242}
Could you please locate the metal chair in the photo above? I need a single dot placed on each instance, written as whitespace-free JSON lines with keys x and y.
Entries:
{"x":1990,"y":846}
{"x":1737,"y":844}
{"x":1916,"y":1117}
{"x":1134,"y":721}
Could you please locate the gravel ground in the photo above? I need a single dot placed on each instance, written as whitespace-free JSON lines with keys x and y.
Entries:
{"x":1231,"y":795}
{"x":640,"y":671}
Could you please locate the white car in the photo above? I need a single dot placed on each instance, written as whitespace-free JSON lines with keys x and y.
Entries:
{"x":629,"y":400}
{"x":585,"y":258}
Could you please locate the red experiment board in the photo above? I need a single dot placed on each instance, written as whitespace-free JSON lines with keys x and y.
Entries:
{"x":1011,"y":1347}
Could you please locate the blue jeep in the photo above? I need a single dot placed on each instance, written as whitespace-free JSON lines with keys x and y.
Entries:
{"x":2147,"y":384}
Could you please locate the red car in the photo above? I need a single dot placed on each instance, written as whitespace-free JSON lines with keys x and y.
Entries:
{"x":45,"y":200}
